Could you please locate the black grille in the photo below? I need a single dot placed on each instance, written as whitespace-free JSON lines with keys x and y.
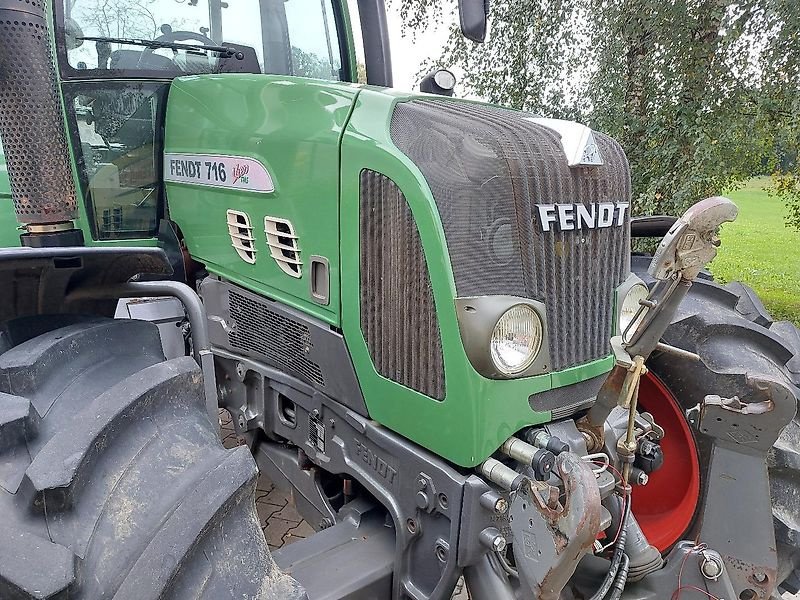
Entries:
{"x":398,"y":314}
{"x":279,"y":340}
{"x":31,"y":120}
{"x":566,"y":401}
{"x":487,"y":169}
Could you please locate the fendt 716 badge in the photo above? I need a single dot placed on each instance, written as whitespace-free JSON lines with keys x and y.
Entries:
{"x":568,"y":217}
{"x":230,"y":172}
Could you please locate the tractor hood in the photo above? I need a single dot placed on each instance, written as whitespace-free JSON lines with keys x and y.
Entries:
{"x":429,"y":218}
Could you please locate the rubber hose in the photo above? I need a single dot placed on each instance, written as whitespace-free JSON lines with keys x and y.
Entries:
{"x":617,"y":558}
{"x":622,"y":578}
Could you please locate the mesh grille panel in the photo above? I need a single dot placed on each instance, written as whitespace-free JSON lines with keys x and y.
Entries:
{"x":487,"y":169}
{"x":31,"y":122}
{"x":281,"y":341}
{"x":398,"y":314}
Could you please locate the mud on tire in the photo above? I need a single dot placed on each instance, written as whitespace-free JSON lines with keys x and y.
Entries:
{"x":737,"y":339}
{"x":113,"y":482}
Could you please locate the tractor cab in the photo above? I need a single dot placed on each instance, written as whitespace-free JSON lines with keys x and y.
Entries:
{"x":116,"y":61}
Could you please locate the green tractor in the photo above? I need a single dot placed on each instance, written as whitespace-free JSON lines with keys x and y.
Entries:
{"x":422,"y":314}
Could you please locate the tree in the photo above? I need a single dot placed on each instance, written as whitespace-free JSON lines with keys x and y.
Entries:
{"x":309,"y":64}
{"x":701,"y":93}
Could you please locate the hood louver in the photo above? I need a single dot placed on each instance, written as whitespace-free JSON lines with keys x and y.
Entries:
{"x":283,"y":246}
{"x":241,"y":232}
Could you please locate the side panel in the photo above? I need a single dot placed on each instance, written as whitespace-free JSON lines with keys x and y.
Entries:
{"x":292,"y":126}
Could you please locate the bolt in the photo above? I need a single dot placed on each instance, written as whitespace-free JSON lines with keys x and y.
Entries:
{"x":411,"y":525}
{"x":639,"y":477}
{"x":240,"y":370}
{"x":493,"y":539}
{"x":501,"y":506}
{"x":423,"y":501}
{"x":242,"y":422}
{"x":422,"y":483}
{"x":711,"y":566}
{"x":760,"y":577}
{"x":443,"y":500}
{"x":326,"y":523}
{"x":499,"y":543}
{"x":441,"y":553}
{"x":493,"y":501}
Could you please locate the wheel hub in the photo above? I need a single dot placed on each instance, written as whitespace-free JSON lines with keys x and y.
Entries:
{"x":665,"y":506}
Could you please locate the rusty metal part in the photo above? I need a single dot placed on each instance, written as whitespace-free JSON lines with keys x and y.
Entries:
{"x":592,"y":425}
{"x":550,"y":537}
{"x":692,"y":241}
{"x":737,"y":406}
{"x":592,"y":434}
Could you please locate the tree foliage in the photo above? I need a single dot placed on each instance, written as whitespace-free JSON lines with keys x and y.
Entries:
{"x":702,"y":94}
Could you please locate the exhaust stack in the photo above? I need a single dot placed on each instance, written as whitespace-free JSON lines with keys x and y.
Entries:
{"x":32,"y":128}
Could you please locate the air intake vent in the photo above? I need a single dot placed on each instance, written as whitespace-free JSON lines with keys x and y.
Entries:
{"x":398,"y":313}
{"x":283,"y":245}
{"x":273,"y":337}
{"x":241,"y":232}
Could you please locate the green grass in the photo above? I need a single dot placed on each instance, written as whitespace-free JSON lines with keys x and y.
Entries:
{"x":760,"y":250}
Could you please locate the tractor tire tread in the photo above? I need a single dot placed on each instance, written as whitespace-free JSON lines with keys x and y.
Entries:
{"x":741,"y":346}
{"x":113,"y":480}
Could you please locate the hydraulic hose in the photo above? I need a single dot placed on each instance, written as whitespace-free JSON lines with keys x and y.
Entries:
{"x":622,"y":578}
{"x":619,"y":555}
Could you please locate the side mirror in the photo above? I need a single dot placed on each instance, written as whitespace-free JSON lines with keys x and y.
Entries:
{"x":438,"y":81}
{"x":473,"y":16}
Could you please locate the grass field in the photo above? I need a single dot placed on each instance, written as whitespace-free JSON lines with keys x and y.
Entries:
{"x":760,"y":250}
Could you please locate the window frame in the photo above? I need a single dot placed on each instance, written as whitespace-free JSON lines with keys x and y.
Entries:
{"x":69,"y":73}
{"x":70,"y":90}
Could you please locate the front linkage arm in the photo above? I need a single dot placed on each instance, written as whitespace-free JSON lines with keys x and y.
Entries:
{"x":690,"y":244}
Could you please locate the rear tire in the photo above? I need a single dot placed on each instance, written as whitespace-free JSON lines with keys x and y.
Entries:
{"x":731,"y":330}
{"x":113,"y":482}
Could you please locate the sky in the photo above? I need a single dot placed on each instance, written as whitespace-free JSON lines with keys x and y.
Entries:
{"x":408,"y":54}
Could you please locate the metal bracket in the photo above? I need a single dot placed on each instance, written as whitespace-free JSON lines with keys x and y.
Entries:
{"x":195,"y":311}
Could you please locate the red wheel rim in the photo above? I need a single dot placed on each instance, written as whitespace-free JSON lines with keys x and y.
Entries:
{"x":665,"y":506}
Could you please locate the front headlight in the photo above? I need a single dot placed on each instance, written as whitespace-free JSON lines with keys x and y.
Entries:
{"x":516,"y":339}
{"x":630,"y":306}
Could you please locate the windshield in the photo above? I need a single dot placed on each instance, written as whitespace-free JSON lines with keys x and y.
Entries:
{"x":292,"y":37}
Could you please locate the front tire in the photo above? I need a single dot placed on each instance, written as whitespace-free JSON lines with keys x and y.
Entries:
{"x":739,"y":343}
{"x":113,"y":482}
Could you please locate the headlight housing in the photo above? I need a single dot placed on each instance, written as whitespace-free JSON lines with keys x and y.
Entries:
{"x":516,"y":339}
{"x":630,"y":305}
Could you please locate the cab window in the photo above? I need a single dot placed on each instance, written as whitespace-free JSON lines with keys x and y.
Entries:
{"x":115,"y":138}
{"x":176,"y":37}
